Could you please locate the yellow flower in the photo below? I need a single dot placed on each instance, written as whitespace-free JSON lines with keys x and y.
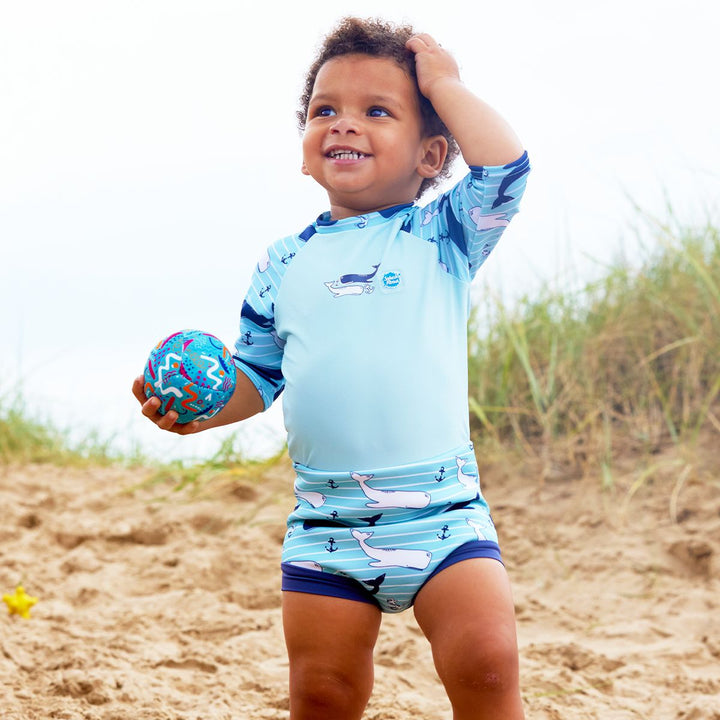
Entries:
{"x":19,"y":603}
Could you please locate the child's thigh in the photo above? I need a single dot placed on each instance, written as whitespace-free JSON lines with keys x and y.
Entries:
{"x":334,"y":634}
{"x":468,"y":605}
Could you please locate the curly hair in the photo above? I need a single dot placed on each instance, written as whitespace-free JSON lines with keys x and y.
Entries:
{"x":379,"y":39}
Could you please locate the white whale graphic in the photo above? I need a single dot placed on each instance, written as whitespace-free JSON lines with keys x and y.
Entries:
{"x":392,"y":557}
{"x":338,"y":289}
{"x":477,"y":527}
{"x":264,"y":263}
{"x":316,"y":499}
{"x":487,"y":222}
{"x":307,"y":565}
{"x":428,"y":216}
{"x":466,"y":480}
{"x":415,"y":499}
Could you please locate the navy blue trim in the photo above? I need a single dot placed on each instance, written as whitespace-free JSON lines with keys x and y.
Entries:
{"x":470,"y":549}
{"x":324,"y":220}
{"x":307,"y":233}
{"x":394,"y":209}
{"x":314,"y":582}
{"x":272,"y":376}
{"x":478,"y":171}
{"x":249,"y":313}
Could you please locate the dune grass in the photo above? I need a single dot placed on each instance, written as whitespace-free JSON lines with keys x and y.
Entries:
{"x":28,"y":438}
{"x":629,"y":363}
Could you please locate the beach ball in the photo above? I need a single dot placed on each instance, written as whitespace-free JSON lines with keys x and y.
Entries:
{"x":192,"y":373}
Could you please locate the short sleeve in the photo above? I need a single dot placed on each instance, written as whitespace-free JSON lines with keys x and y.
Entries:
{"x":258,"y":349}
{"x":467,"y":221}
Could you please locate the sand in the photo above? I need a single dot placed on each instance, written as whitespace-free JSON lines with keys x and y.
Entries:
{"x":156,"y":605}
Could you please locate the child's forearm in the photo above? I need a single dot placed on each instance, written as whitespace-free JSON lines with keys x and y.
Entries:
{"x":483,"y":136}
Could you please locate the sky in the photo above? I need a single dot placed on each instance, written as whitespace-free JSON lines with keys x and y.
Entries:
{"x":149,"y":153}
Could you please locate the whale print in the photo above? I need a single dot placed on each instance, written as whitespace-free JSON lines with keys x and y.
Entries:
{"x":466,"y":480}
{"x":307,"y":565}
{"x":408,"y":499}
{"x":477,"y":527}
{"x":339,"y":290}
{"x":428,"y":216}
{"x":264,"y":262}
{"x":353,"y":277}
{"x":487,"y":222}
{"x":374,"y":584}
{"x":249,"y":313}
{"x":461,"y":505}
{"x":522,"y":169}
{"x":315,"y":499}
{"x":392,"y":557}
{"x":353,"y":283}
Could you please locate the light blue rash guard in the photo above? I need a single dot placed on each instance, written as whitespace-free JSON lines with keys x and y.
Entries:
{"x":362,"y":322}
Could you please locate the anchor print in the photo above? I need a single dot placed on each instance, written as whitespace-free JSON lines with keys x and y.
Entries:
{"x":444,"y":534}
{"x":285,"y":259}
{"x":265,"y":291}
{"x":332,"y":545}
{"x":332,"y":484}
{"x":441,"y":476}
{"x":247,"y":338}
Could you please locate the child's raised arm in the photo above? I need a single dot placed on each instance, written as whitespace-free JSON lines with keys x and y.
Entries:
{"x":482,"y":134}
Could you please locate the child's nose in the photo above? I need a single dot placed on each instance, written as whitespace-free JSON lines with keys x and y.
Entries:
{"x":343,"y":125}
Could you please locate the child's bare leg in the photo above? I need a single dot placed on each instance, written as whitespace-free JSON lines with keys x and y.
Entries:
{"x":330,"y":644}
{"x":467,"y":613}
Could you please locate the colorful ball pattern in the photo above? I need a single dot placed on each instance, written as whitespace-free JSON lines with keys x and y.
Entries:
{"x":192,"y":373}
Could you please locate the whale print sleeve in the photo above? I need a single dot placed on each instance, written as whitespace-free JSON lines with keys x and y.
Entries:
{"x":467,"y":221}
{"x":258,"y":349}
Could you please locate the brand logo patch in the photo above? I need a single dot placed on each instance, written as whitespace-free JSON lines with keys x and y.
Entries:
{"x":391,"y":280}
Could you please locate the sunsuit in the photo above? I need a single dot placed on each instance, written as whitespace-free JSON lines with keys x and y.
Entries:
{"x":363,"y":323}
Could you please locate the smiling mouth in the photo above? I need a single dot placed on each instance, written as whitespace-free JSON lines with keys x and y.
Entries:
{"x":346,"y":155}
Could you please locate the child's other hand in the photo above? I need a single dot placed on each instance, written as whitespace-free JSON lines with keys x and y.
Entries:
{"x":150,"y":408}
{"x":432,"y":62}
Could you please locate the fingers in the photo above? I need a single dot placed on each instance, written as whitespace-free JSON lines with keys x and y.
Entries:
{"x":421,"y":41}
{"x":150,"y":408}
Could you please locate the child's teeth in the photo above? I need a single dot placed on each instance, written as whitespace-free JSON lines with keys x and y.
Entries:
{"x":347,"y":155}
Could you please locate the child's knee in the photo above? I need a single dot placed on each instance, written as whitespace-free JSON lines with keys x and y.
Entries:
{"x":480,"y":662}
{"x":328,"y":691}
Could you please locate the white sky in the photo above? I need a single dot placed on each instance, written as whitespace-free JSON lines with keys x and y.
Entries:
{"x":149,"y":153}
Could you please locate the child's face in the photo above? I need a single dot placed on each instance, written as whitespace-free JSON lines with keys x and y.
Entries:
{"x":363,"y":138}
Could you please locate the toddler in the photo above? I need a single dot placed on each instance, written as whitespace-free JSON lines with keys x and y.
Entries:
{"x":361,"y":319}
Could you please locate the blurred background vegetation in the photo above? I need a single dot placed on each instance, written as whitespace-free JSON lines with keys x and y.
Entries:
{"x":628,"y":364}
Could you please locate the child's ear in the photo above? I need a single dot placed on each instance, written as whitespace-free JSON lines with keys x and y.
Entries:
{"x":434,"y":153}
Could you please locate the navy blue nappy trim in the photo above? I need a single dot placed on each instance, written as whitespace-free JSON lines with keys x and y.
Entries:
{"x":314,"y":582}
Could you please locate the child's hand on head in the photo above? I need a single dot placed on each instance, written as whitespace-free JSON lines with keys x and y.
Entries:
{"x":432,"y":62}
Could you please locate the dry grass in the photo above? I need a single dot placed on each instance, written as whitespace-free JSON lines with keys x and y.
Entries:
{"x":630,"y":363}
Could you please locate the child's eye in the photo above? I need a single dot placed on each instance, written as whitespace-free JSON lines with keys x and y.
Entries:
{"x":378,"y":112}
{"x":324,"y":111}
